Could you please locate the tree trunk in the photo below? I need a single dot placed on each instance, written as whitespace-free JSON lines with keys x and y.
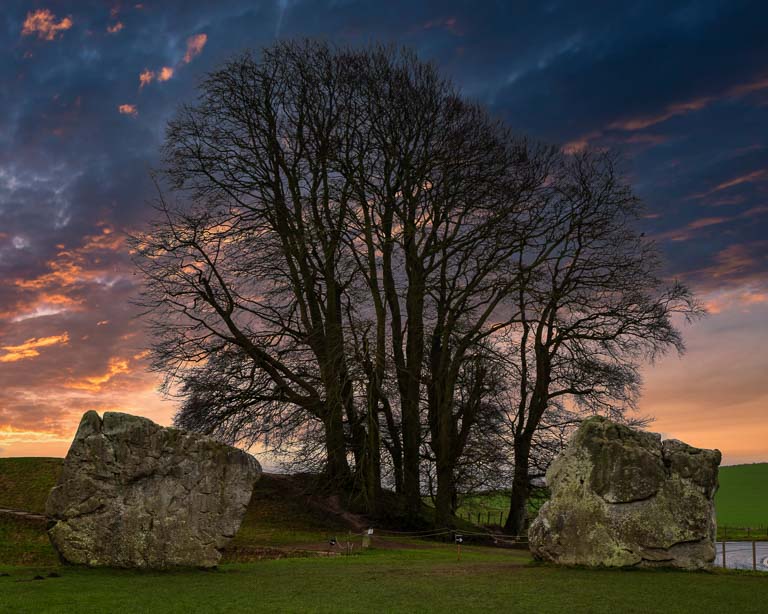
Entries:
{"x":517,"y":521}
{"x":372,"y":465}
{"x":337,"y":466}
{"x":446,"y":493}
{"x":411,"y":406}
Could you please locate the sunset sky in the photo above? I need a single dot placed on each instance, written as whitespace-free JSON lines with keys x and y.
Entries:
{"x":680,"y":88}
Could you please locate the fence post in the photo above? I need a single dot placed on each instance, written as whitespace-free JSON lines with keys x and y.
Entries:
{"x":478,"y":519}
{"x":489,"y":516}
{"x":723,"y":554}
{"x":754,"y":557}
{"x":501,"y":518}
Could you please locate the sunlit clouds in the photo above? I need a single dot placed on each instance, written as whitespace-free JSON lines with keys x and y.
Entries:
{"x":195,"y":46}
{"x":94,"y":383}
{"x":146,"y":77}
{"x":43,"y":24}
{"x":165,"y":73}
{"x":89,"y":87}
{"x":30,"y":348}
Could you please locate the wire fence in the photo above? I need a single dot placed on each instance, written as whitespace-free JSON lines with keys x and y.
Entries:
{"x":486,"y":517}
{"x":742,"y":555}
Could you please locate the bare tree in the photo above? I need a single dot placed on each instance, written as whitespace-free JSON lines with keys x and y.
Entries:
{"x":343,"y":220}
{"x":590,"y":307}
{"x":254,"y":258}
{"x":348,"y":246}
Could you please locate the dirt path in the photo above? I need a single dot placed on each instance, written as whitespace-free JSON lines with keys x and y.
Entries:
{"x":4,"y":511}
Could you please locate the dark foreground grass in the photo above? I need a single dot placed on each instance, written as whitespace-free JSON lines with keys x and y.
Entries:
{"x":429,"y":580}
{"x":24,"y":542}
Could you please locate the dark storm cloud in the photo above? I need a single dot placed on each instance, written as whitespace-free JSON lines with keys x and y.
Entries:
{"x":681,"y":88}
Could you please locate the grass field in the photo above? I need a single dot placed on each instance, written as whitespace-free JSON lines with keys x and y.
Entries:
{"x":742,"y":500}
{"x":399,"y":575}
{"x":429,"y":580}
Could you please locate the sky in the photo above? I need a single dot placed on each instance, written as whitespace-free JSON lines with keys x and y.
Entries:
{"x":680,"y":89}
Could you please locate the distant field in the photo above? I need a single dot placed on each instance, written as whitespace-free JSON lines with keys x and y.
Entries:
{"x":742,"y":499}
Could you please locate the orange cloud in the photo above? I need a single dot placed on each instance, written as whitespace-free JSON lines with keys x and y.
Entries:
{"x":114,"y":29}
{"x":29,"y":348}
{"x":43,"y":23}
{"x":128,"y":109}
{"x":195,"y":46}
{"x":166,"y":72}
{"x":9,"y":435}
{"x":78,"y":266}
{"x":94,"y":383}
{"x":680,"y":108}
{"x":732,"y":260}
{"x":706,"y":221}
{"x":145,"y":77}
{"x":757,"y":84}
{"x":749,"y":178}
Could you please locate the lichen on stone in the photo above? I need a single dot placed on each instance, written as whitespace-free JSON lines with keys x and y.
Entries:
{"x":623,"y":497}
{"x":135,"y":494}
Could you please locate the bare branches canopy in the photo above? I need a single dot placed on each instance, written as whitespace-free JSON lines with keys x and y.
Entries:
{"x":356,"y":262}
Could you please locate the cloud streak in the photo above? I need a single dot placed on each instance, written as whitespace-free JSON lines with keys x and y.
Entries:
{"x":30,"y":348}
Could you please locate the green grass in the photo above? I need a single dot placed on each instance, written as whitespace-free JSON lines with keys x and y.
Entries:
{"x":26,"y":482}
{"x":742,"y":500}
{"x":279,"y":516}
{"x":25,"y":542}
{"x":429,"y":580}
{"x":424,"y":577}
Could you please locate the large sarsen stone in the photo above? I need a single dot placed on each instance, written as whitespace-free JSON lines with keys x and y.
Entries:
{"x":135,"y":494}
{"x":622,"y":497}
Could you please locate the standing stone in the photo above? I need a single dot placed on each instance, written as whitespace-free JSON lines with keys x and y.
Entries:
{"x":135,"y":494}
{"x":623,"y":497}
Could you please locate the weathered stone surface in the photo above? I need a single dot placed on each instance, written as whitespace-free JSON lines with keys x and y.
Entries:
{"x":135,"y":494}
{"x":622,"y":497}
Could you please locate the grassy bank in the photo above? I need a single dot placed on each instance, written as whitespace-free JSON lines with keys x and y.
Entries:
{"x":26,"y":482}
